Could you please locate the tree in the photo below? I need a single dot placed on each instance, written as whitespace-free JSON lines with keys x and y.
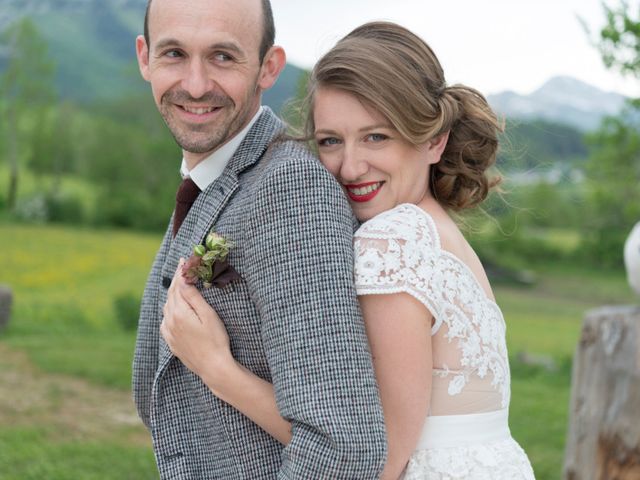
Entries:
{"x":620,"y":39}
{"x":52,"y":149}
{"x":613,"y":172}
{"x":130,"y":160}
{"x":25,"y":87}
{"x":613,"y":168}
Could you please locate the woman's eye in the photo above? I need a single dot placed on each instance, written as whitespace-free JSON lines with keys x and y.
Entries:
{"x":328,"y":141}
{"x":377,"y":137}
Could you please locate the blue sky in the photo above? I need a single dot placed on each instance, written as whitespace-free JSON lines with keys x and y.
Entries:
{"x":493,"y":45}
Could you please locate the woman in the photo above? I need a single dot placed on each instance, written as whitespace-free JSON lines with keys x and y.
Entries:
{"x":408,"y":150}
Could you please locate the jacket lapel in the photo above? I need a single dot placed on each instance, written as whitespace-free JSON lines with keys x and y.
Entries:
{"x":207,"y":208}
{"x":251,"y":149}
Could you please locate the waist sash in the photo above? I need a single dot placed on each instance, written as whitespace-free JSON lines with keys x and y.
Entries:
{"x":446,"y":431}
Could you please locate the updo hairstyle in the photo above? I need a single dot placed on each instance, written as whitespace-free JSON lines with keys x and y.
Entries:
{"x":395,"y":72}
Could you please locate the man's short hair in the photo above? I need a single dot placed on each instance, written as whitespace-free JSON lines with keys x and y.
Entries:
{"x":268,"y":28}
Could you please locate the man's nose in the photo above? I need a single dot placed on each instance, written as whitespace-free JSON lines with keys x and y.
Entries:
{"x":197,"y":81}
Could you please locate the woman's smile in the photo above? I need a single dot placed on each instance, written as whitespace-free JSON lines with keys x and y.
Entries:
{"x":377,"y":167}
{"x":363,"y":192}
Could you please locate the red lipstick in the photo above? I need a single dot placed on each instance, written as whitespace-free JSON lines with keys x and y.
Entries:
{"x":362,"y":198}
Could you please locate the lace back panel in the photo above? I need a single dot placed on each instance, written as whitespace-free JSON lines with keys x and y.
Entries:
{"x":399,"y":251}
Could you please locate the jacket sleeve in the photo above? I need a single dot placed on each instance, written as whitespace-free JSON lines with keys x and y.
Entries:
{"x":301,"y":278}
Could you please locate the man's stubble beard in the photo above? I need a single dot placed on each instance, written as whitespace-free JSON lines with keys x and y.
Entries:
{"x":217,"y":133}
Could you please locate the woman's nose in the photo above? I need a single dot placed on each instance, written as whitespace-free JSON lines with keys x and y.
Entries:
{"x":354,"y":166}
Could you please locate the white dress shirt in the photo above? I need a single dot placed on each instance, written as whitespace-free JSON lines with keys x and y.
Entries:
{"x":205,"y":172}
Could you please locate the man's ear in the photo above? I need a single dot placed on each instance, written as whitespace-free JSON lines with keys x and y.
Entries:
{"x":142,"y":52}
{"x":273,"y":63}
{"x":436,"y":146}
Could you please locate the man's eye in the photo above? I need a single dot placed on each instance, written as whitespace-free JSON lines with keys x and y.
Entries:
{"x":327,"y":142}
{"x":223,"y":57}
{"x":173,"y":54}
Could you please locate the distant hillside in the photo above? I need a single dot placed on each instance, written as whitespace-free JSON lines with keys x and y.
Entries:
{"x":91,"y":42}
{"x":93,"y":45}
{"x":541,"y":146}
{"x":563,"y":100}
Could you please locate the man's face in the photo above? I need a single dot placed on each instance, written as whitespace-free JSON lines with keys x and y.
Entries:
{"x":204,"y":69}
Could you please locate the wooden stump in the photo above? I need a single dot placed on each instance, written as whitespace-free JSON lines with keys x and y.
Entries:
{"x":6,"y":298}
{"x":603,"y":442}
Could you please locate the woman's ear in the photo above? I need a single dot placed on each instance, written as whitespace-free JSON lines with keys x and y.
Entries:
{"x":436,"y":146}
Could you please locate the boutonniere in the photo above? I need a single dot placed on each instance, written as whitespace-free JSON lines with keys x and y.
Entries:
{"x":209,"y":263}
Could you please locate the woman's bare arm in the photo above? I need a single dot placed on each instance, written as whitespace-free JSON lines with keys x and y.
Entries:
{"x":399,"y":332}
{"x":196,"y":335}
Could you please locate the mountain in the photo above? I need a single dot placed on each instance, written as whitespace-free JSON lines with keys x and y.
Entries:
{"x":563,"y":100}
{"x":92,"y":43}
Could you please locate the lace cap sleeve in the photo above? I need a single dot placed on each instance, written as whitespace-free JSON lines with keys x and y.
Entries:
{"x":396,"y":252}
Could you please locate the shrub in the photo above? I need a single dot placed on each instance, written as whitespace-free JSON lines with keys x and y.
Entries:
{"x":602,"y":248}
{"x":64,"y":208}
{"x":129,"y":209}
{"x":127,"y":310}
{"x":32,"y":209}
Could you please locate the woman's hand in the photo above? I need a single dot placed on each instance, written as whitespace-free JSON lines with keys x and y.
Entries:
{"x":196,"y":335}
{"x":194,"y":332}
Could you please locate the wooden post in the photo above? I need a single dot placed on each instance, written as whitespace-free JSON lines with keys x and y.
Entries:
{"x":603,"y":442}
{"x":6,"y":298}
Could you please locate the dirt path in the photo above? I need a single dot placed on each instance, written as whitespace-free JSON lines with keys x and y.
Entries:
{"x":69,"y":407}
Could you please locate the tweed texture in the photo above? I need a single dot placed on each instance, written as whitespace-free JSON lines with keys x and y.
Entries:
{"x":293,"y":319}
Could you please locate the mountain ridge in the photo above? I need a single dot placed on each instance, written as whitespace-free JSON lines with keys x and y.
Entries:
{"x":92,"y":44}
{"x":561,"y":99}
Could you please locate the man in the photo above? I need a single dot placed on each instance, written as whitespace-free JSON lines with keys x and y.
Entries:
{"x":292,"y":317}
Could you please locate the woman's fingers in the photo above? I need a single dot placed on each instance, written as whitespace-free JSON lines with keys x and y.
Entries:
{"x":192,"y":329}
{"x":176,"y":276}
{"x":194,"y":299}
{"x":173,"y":312}
{"x":183,"y":297}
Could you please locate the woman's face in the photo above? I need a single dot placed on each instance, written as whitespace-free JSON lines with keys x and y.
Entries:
{"x":375,"y":165}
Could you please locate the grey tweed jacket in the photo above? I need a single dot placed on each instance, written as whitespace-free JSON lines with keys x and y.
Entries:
{"x":293,"y":320}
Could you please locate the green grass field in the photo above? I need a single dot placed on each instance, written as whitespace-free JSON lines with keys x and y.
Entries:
{"x":65,"y":410}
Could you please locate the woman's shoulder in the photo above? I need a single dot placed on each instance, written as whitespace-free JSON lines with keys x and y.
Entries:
{"x":406,"y":222}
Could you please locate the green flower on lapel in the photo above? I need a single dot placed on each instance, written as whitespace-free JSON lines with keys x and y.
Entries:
{"x":209,"y":263}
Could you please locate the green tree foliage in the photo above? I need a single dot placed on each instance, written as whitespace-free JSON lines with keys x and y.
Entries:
{"x":25,"y":87}
{"x":294,"y":110}
{"x":613,"y":168}
{"x":52,"y":143}
{"x":620,"y":39}
{"x":540,"y":144}
{"x":131,"y":158}
{"x":613,"y":173}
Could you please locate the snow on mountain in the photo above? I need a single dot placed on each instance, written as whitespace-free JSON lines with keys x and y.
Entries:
{"x":561,"y":99}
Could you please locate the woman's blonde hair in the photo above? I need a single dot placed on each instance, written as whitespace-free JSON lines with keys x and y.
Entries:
{"x":394,"y":71}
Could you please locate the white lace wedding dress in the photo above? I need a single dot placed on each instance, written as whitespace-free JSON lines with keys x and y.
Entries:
{"x":466,"y":434}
